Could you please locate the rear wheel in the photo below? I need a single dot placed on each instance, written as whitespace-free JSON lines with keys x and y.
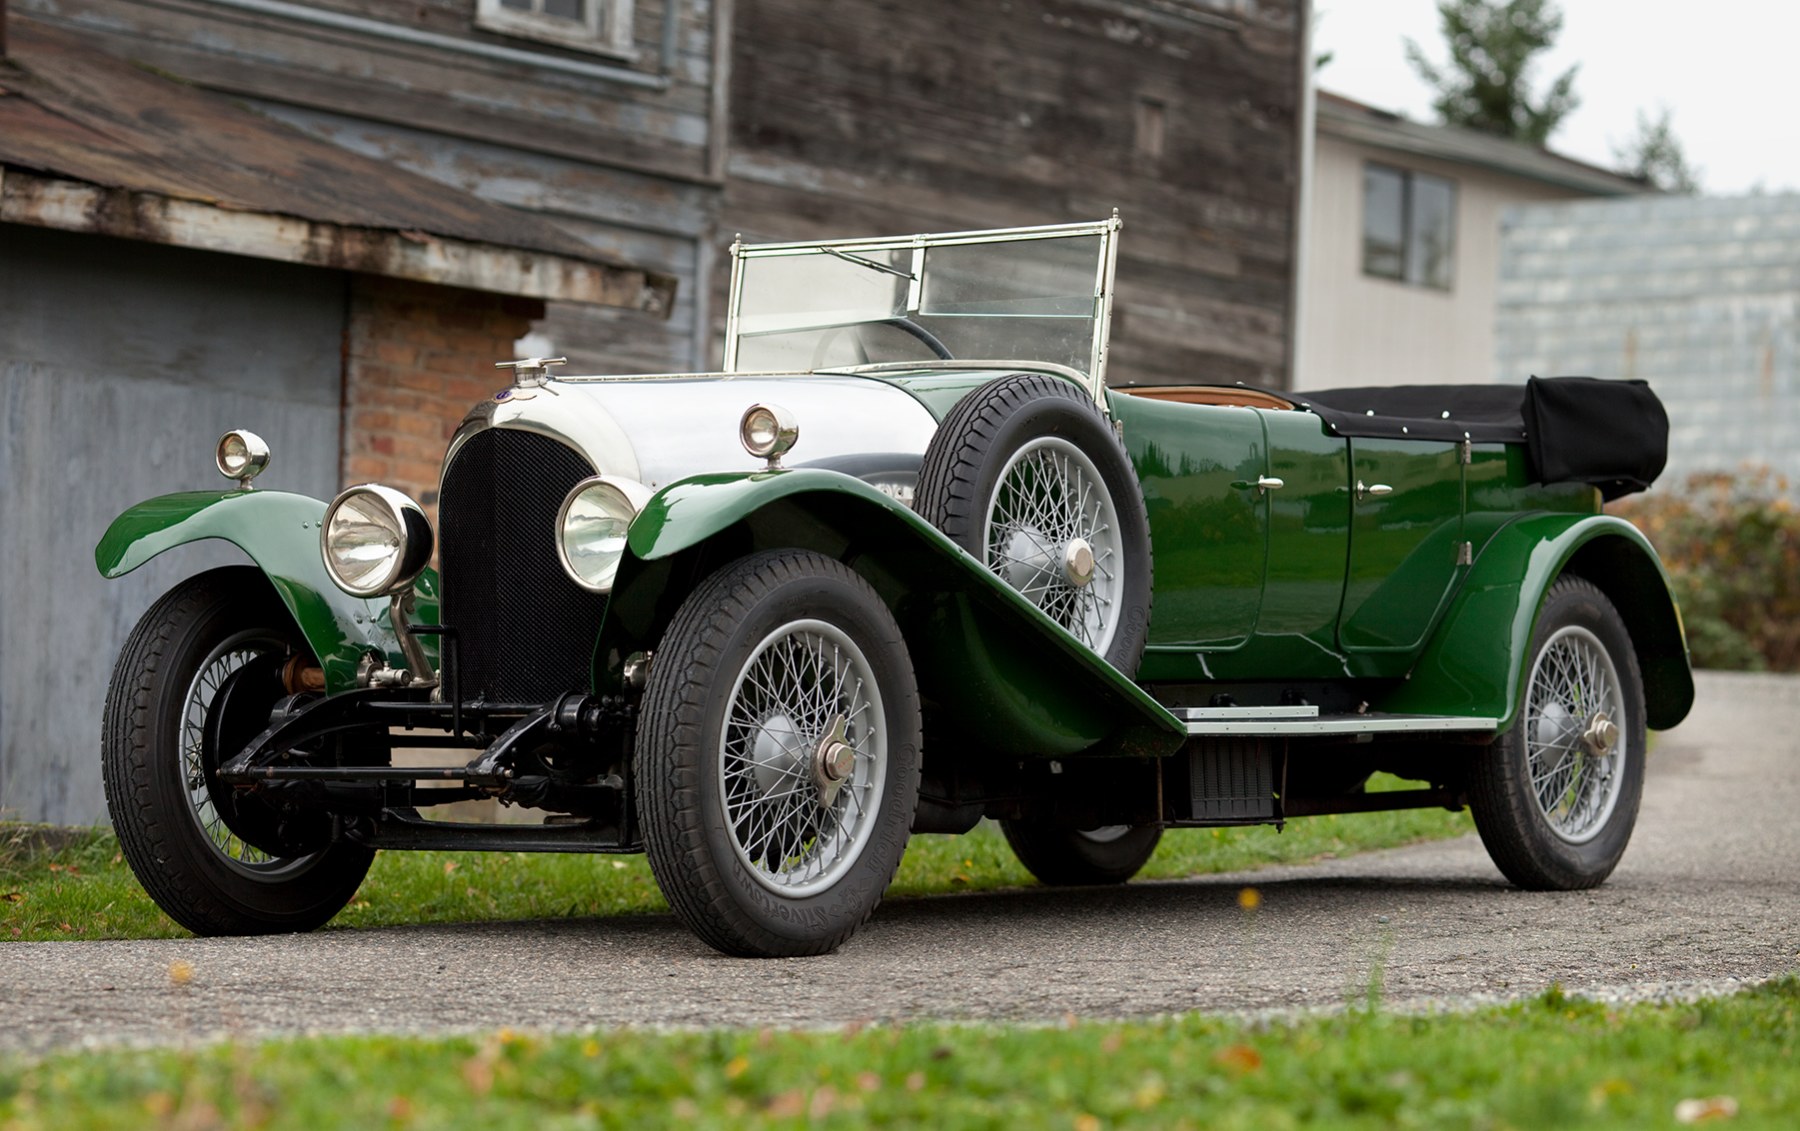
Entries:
{"x":777,"y":755}
{"x":197,"y":679}
{"x":1556,"y":797}
{"x":1063,"y":857}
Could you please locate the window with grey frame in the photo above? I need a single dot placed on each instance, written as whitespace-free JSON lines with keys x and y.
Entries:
{"x":1409,"y":226}
{"x":590,"y":25}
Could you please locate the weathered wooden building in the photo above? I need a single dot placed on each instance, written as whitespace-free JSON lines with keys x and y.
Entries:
{"x":633,"y":135}
{"x":172,"y":265}
{"x":867,"y":117}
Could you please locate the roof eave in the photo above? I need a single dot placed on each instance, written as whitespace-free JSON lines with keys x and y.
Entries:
{"x":1553,"y":170}
{"x":78,"y":206}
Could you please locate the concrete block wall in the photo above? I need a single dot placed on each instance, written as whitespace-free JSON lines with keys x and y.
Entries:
{"x":1699,"y":296}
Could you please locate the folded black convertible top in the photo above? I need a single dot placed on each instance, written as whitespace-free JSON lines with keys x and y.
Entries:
{"x":1612,"y":434}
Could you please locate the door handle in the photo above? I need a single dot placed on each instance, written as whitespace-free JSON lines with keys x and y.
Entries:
{"x":1372,"y":490}
{"x":1262,"y":484}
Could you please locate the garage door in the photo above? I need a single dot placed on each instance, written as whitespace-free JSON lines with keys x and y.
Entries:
{"x":122,"y":363}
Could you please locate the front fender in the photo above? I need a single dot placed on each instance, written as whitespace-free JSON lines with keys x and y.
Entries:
{"x":280,"y":533}
{"x":1476,"y":661}
{"x":996,"y":674}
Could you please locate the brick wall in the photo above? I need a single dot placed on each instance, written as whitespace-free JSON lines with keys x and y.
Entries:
{"x":417,"y":356}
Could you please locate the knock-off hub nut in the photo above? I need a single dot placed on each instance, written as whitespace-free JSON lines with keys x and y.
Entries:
{"x":1078,"y":562}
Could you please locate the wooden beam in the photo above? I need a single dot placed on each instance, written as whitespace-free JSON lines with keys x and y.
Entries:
{"x":77,"y":206}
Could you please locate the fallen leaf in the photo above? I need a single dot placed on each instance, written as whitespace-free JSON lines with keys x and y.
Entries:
{"x":1239,"y":1058}
{"x":1086,"y":1122}
{"x":738,"y":1066}
{"x":400,"y":1109}
{"x":1249,"y":899}
{"x":449,"y":867}
{"x":868,"y":1081}
{"x":13,"y":896}
{"x":915,"y":1081}
{"x":181,"y":972}
{"x":1706,"y":1110}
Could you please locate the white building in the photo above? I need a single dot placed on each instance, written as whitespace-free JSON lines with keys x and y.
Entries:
{"x":1400,"y":268}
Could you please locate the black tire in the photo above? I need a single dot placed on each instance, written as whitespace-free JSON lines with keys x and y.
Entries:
{"x":994,"y":430}
{"x":1568,"y":830}
{"x":1064,"y":857}
{"x":733,"y":807}
{"x":212,"y":882}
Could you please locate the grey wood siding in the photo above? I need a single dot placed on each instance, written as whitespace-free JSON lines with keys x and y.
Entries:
{"x":867,"y":117}
{"x":120,"y":365}
{"x":665,"y":131}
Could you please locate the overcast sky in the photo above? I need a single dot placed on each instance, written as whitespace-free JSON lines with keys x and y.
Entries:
{"x":1724,"y":68}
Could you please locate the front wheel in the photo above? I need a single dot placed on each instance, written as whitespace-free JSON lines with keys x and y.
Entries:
{"x":1065,"y":857}
{"x":777,"y":756}
{"x":1555,"y":798}
{"x":196,"y":680}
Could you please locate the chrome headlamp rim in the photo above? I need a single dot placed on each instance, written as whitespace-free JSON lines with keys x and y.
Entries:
{"x":633,"y":494}
{"x":411,"y":527}
{"x":781,"y":425}
{"x":254,"y":456}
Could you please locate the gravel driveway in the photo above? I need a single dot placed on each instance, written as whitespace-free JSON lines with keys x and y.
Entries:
{"x":1708,"y":896}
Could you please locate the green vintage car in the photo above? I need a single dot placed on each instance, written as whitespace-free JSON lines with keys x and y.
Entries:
{"x":907,"y":563}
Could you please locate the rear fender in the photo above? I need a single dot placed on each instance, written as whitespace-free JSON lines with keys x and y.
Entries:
{"x":280,"y":533}
{"x":996,"y":674}
{"x":1475,"y":663}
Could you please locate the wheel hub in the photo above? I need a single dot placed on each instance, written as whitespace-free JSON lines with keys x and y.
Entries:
{"x":1600,"y":735}
{"x":1078,"y":562}
{"x":834,"y":760}
{"x":1026,"y":556}
{"x":776,"y":752}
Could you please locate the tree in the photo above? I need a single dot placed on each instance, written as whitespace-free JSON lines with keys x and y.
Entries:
{"x":1486,"y":85}
{"x":1655,"y":155}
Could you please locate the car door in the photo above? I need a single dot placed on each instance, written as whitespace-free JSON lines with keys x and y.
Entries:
{"x":1199,"y":466}
{"x":1406,"y":515}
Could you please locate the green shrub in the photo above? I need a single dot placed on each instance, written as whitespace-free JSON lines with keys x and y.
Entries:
{"x":1732,"y":545}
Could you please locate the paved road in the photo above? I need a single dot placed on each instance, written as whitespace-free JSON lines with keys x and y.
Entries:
{"x":1708,"y":894}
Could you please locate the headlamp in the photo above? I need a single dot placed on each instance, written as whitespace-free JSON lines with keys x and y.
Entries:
{"x":375,"y":540}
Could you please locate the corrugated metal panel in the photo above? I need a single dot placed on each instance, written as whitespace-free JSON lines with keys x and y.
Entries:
{"x":1699,"y":296}
{"x":120,"y":364}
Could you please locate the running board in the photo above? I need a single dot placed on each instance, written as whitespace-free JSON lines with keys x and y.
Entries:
{"x":1307,"y":722}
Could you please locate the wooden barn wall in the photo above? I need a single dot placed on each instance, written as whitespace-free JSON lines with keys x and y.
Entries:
{"x":428,"y":88}
{"x":863,"y":117}
{"x":628,"y":168}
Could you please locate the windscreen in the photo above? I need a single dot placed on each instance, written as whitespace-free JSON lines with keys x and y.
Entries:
{"x":1025,"y":299}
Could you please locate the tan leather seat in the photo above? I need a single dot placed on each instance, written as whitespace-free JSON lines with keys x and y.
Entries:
{"x":1208,"y":394}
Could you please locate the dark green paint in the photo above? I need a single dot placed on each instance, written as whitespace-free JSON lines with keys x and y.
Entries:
{"x":1001,"y":677}
{"x":1403,"y":545}
{"x":280,"y":533}
{"x":1475,"y":662}
{"x":1197,"y":466}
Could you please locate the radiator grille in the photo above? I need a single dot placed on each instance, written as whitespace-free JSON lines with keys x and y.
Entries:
{"x":525,"y":632}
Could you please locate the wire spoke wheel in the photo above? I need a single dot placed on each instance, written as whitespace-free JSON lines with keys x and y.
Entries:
{"x":1053,"y":533}
{"x":806,"y":695}
{"x":1027,"y":474}
{"x":1556,"y":796}
{"x":1574,"y":693}
{"x":196,"y":679}
{"x":225,"y":660}
{"x":777,"y":755}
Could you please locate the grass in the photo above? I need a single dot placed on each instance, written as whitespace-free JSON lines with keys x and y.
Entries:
{"x":1552,"y":1061}
{"x":77,"y":886}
